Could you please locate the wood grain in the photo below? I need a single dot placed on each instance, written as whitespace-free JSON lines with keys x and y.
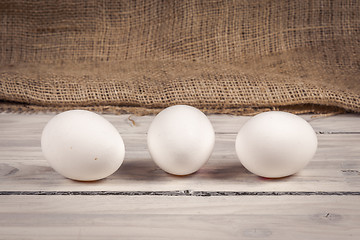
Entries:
{"x":34,"y":123}
{"x":221,"y":201}
{"x":126,"y":217}
{"x":335,"y":167}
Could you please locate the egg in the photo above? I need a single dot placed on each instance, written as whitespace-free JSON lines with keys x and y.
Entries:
{"x":82,"y":145}
{"x":180,"y":139}
{"x":275,"y":144}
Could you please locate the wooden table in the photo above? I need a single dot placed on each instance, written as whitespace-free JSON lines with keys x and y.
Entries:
{"x":140,"y":201}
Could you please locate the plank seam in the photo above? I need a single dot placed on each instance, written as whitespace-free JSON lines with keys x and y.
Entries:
{"x":317,"y":132}
{"x":330,"y":133}
{"x":178,"y":193}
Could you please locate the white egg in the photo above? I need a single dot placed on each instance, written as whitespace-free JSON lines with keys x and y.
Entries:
{"x":275,"y":144}
{"x":181,"y":139}
{"x":82,"y":145}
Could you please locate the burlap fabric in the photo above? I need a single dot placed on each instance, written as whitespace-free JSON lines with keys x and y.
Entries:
{"x":140,"y":56}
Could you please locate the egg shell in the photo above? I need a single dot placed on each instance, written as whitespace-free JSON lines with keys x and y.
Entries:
{"x":82,"y":145}
{"x":180,"y":139}
{"x":275,"y":144}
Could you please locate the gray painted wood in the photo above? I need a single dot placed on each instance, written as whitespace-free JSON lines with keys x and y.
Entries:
{"x":335,"y":167}
{"x":158,"y":217}
{"x":320,"y":202}
{"x":34,"y":123}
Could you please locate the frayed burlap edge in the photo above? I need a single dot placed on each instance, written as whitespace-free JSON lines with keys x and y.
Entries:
{"x":13,"y":107}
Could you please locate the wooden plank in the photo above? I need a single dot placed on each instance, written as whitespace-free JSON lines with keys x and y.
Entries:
{"x":134,"y":217}
{"x":17,"y":124}
{"x":335,"y":167}
{"x":344,"y":123}
{"x":23,"y":167}
{"x":320,"y":215}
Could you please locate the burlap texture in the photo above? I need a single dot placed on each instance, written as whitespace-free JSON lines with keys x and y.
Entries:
{"x":237,"y":57}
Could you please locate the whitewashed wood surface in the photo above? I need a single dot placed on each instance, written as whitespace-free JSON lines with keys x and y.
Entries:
{"x":140,"y":201}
